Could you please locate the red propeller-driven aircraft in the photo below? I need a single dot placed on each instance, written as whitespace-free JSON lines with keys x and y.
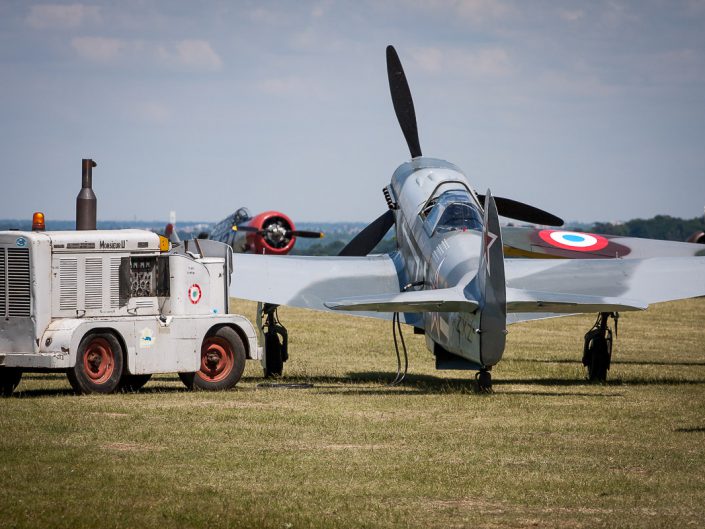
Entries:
{"x":269,"y":233}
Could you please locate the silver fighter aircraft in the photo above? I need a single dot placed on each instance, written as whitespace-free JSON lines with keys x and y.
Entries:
{"x":449,"y":278}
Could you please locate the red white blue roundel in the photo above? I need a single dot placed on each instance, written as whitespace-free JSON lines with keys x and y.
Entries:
{"x":194,"y":293}
{"x":573,"y":240}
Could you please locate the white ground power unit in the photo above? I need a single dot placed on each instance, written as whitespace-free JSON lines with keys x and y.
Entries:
{"x":112,"y":307}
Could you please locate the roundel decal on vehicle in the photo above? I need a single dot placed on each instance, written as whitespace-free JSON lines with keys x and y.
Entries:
{"x":573,"y":240}
{"x":194,"y":293}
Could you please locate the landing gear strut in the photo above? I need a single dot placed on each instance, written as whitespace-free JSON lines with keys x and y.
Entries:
{"x":597,"y":352}
{"x":484,"y":381}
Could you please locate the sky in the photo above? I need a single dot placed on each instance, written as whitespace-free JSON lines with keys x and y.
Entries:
{"x":594,"y":111}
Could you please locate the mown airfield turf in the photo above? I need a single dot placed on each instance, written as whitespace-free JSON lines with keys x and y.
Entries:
{"x":546,"y":449}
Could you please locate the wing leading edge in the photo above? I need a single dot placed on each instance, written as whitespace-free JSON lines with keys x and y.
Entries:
{"x":312,"y":282}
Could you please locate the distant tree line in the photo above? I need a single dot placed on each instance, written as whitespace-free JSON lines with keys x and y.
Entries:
{"x":660,"y":227}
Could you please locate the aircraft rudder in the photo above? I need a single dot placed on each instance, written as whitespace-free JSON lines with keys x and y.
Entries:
{"x":491,"y":280}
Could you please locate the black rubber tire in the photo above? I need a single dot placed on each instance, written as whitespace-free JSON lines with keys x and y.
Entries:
{"x":131,"y":383}
{"x":599,"y":360}
{"x":484,"y":381}
{"x":222,"y":362}
{"x":96,"y":352}
{"x":273,"y":360}
{"x":9,"y":380}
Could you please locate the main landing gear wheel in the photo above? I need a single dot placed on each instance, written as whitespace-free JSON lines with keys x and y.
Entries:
{"x":484,"y":381}
{"x":9,"y":380}
{"x":273,"y":360}
{"x":99,"y":363}
{"x":597,"y":352}
{"x":222,"y":362}
{"x":131,"y":383}
{"x":276,"y":341}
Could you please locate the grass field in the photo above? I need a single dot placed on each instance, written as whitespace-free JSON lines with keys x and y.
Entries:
{"x":546,"y":449}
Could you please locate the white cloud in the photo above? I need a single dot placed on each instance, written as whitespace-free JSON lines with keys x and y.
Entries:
{"x":582,"y":84}
{"x":472,"y":10}
{"x":270,"y":17}
{"x":56,"y":16}
{"x":282,"y":86}
{"x":321,"y":9}
{"x":487,"y":62}
{"x":98,"y":49}
{"x":571,"y":15}
{"x":429,"y":59}
{"x":480,"y":10}
{"x":192,"y":54}
{"x":153,"y":112}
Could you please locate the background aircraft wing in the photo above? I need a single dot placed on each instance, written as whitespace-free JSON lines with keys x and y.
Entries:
{"x":630,"y":282}
{"x":310,"y":282}
{"x":539,"y":243}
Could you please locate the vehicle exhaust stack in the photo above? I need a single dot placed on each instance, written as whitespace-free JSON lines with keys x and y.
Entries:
{"x":86,"y":200}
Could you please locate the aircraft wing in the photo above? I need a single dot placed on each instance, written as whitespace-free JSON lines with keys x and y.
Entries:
{"x":311,"y":282}
{"x":435,"y":300}
{"x":550,"y":243}
{"x":631,"y":284}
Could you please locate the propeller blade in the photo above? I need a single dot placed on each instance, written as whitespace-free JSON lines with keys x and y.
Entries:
{"x":520,"y":211}
{"x":306,"y":234}
{"x":365,"y":241}
{"x":402,"y":101}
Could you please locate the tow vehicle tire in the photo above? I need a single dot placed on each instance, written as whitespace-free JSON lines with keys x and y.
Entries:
{"x":99,"y":364}
{"x":131,"y":383}
{"x":222,"y":362}
{"x":9,"y":379}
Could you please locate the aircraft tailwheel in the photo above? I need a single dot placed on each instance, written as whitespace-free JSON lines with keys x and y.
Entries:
{"x":597,"y":352}
{"x":484,"y":381}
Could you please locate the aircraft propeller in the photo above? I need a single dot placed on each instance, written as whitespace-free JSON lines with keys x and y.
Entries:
{"x":365,"y":241}
{"x":368,"y":238}
{"x":520,"y":211}
{"x":275,"y":228}
{"x":402,"y":101}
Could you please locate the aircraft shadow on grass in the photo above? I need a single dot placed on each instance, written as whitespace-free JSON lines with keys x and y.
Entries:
{"x":613,"y":362}
{"x":417,"y":383}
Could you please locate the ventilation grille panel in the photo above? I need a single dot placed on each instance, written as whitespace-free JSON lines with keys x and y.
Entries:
{"x":3,"y":283}
{"x":15,"y":283}
{"x":68,"y":281}
{"x":114,"y":283}
{"x":94,"y":283}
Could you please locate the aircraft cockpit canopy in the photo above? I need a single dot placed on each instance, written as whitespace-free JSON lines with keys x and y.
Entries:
{"x":452,"y":210}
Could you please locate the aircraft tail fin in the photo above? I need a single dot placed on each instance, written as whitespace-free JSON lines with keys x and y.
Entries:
{"x":491,"y":287}
{"x":170,"y":233}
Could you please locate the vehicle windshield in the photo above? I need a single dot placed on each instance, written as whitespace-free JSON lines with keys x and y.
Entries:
{"x":452,"y":210}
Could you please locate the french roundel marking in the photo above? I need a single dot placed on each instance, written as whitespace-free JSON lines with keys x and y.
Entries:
{"x":194,"y":293}
{"x":573,"y":240}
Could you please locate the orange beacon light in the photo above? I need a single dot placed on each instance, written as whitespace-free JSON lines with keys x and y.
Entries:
{"x":38,"y":221}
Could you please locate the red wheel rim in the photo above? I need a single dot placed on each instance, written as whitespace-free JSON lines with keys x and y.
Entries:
{"x":99,"y":360}
{"x":217,"y":359}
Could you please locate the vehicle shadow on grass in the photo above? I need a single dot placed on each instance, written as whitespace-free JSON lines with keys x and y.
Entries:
{"x":21,"y":393}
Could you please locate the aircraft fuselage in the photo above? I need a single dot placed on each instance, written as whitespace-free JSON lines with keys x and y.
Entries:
{"x":440,"y":253}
